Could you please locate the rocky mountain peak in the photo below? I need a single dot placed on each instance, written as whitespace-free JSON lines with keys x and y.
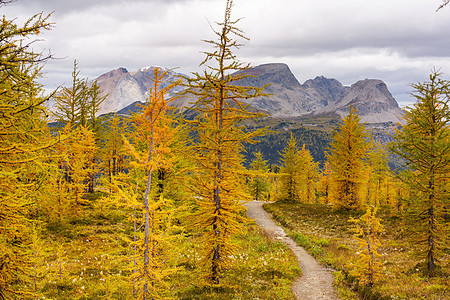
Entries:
{"x":274,"y":73}
{"x":372,"y":100}
{"x":375,"y":89}
{"x":124,"y":88}
{"x":286,"y":97}
{"x":120,"y":72}
{"x":327,"y":90}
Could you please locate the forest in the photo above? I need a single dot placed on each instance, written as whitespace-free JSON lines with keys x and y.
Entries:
{"x":150,"y":206}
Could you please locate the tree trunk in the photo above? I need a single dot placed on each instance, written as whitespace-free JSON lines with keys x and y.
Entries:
{"x":147,"y":219}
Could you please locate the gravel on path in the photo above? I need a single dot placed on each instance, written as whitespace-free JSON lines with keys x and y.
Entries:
{"x":316,"y":282}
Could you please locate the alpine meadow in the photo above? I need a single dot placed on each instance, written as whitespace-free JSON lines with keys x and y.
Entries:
{"x":135,"y":185}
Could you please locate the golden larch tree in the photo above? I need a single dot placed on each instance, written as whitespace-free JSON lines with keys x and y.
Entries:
{"x":22,"y":132}
{"x":424,"y":144}
{"x":309,"y":170}
{"x":367,"y":230}
{"x":290,"y":174}
{"x":151,"y":149}
{"x":347,"y":158}
{"x":219,"y":172}
{"x":259,"y":184}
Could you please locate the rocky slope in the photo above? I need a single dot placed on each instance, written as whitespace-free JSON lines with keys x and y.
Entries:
{"x":286,"y":97}
{"x":372,"y":100}
{"x":124,"y":88}
{"x":321,"y":95}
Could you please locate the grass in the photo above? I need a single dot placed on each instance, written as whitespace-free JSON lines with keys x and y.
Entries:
{"x":85,"y":259}
{"x":327,"y":235}
{"x":264,"y":269}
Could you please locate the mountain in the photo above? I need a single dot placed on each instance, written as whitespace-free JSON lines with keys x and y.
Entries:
{"x":288,"y":98}
{"x":124,"y":88}
{"x":372,"y":100}
{"x":285,"y":96}
{"x":325,"y":90}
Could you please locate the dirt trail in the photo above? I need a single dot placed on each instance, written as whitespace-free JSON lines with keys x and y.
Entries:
{"x":316,"y":282}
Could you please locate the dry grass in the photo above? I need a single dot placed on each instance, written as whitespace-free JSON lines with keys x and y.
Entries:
{"x":92,"y":263}
{"x":327,"y":235}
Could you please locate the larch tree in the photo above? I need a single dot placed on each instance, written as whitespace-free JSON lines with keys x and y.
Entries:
{"x":424,"y":144}
{"x":367,"y":230}
{"x":377,"y":184}
{"x":290,"y":174}
{"x":259,"y":185}
{"x":323,"y":185}
{"x":93,"y":106}
{"x":151,"y":150}
{"x":70,"y":174}
{"x":219,"y":173}
{"x":71,"y":102}
{"x":22,"y":126}
{"x":347,"y":156}
{"x":113,"y":152}
{"x":309,"y":173}
{"x":76,"y":108}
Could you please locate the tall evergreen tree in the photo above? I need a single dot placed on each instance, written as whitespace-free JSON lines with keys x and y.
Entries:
{"x":218,"y":154}
{"x":424,"y":144}
{"x":347,"y":158}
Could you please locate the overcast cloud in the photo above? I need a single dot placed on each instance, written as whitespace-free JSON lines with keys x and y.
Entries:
{"x":397,"y":41}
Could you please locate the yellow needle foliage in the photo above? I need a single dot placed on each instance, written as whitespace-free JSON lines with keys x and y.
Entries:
{"x":259,"y":183}
{"x":347,"y":157}
{"x":21,"y":144}
{"x":290,"y":173}
{"x":150,"y":146}
{"x":367,"y":229}
{"x":217,"y":152}
{"x":76,"y":165}
{"x":423,"y":143}
{"x":309,"y":173}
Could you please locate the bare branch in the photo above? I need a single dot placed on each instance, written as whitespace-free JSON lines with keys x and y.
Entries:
{"x":443,"y":4}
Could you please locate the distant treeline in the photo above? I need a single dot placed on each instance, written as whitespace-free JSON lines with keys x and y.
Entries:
{"x":273,"y":143}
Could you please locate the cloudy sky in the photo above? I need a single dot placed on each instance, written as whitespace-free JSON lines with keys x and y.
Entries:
{"x":398,"y":41}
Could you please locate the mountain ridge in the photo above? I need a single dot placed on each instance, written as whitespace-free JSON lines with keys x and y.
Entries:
{"x":287,"y":97}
